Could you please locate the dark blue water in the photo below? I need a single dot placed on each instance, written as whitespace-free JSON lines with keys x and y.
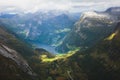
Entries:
{"x":49,"y":48}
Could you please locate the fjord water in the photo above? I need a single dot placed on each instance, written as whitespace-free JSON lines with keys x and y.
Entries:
{"x":47,"y":47}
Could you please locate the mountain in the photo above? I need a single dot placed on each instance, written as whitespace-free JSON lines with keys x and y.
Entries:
{"x":12,"y":63}
{"x":114,"y":11}
{"x":92,"y":27}
{"x":9,"y":70}
{"x":96,"y":36}
{"x":100,"y":62}
{"x":43,"y":27}
{"x":2,"y":15}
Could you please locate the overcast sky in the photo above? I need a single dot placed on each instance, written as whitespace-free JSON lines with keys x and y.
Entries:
{"x":71,"y":5}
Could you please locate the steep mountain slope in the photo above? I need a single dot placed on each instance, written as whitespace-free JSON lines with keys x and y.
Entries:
{"x":13,"y":65}
{"x":100,"y":62}
{"x":9,"y":70}
{"x":92,"y":27}
{"x":8,"y":38}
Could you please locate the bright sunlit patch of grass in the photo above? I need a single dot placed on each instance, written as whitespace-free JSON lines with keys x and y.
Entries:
{"x":58,"y":56}
{"x":111,"y":36}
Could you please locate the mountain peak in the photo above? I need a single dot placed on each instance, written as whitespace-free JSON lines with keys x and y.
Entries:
{"x":114,"y":11}
{"x":93,"y":14}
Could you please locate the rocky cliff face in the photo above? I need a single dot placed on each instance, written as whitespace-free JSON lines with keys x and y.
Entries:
{"x":17,"y":58}
{"x":100,"y":61}
{"x":15,"y":65}
{"x":92,"y":27}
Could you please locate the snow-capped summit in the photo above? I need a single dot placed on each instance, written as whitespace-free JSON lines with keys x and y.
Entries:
{"x":93,"y":14}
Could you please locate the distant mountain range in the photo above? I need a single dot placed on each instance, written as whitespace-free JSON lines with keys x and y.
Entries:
{"x":43,"y":27}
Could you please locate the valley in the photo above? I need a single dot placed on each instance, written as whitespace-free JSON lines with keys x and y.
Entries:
{"x":59,"y":45}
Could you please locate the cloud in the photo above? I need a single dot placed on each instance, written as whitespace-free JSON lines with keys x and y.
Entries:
{"x":88,"y":6}
{"x":70,"y":5}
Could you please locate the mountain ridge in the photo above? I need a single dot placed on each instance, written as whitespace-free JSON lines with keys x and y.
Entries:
{"x":86,"y":30}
